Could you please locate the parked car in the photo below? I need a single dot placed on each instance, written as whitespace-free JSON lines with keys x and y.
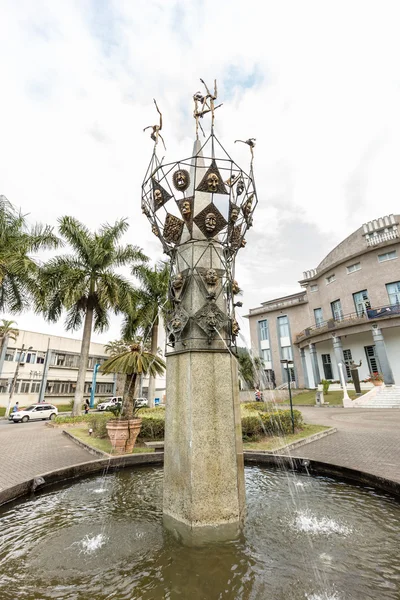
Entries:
{"x":141,"y":402}
{"x":110,"y":402}
{"x":35,"y":412}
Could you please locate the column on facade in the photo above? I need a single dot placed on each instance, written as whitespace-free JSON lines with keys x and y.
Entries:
{"x":304,"y":367}
{"x":339,"y":356}
{"x":380,"y":350}
{"x":314,"y":364}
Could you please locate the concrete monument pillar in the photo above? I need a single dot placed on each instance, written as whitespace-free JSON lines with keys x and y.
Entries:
{"x":380,"y":349}
{"x":200,"y":216}
{"x":314,"y":364}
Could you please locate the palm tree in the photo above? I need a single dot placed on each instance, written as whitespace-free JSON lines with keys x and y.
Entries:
{"x":18,"y":269}
{"x":7,"y":330}
{"x":133,"y":362}
{"x":86,"y":285}
{"x":152,"y":298}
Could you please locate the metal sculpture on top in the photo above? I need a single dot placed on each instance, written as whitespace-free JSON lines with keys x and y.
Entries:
{"x":155,"y":134}
{"x":200,"y":208}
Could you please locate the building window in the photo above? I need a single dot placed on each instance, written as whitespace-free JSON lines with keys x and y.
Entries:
{"x":387,"y":256}
{"x":347,"y":360}
{"x":24,"y":387}
{"x":314,"y":288}
{"x":361,"y":302}
{"x":104,"y":388}
{"x":393,"y":290}
{"x":352,"y":268}
{"x":287,"y":353}
{"x":20,"y":357}
{"x":35,"y":387}
{"x":40,"y":358}
{"x":9,"y":355}
{"x":263,"y":328}
{"x":30,"y":357}
{"x":330,"y":278}
{"x":337,"y":313}
{"x":372,"y":359}
{"x":327,"y":365}
{"x":60,"y":360}
{"x":283,"y":323}
{"x":266,"y":355}
{"x":318,"y":317}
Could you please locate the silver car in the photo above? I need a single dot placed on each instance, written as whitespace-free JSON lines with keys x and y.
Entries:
{"x":35,"y":412}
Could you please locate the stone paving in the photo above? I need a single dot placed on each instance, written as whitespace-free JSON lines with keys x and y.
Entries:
{"x":367,"y":439}
{"x":29,"y":449}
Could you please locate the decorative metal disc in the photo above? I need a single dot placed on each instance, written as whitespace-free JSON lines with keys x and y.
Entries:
{"x":160,"y":195}
{"x":172,"y":229}
{"x":210,"y":221}
{"x":212,"y":181}
{"x":181,"y":180}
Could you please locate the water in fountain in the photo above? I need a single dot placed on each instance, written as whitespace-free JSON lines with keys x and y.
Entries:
{"x":72,"y":543}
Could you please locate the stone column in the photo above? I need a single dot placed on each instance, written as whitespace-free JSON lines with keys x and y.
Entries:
{"x":304,"y":367}
{"x":314,"y":364}
{"x":382,"y":356}
{"x":339,"y":356}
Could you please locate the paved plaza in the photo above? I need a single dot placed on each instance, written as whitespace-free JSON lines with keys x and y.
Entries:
{"x":367,"y":440}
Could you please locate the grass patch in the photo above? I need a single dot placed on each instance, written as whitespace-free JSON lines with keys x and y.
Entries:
{"x":103,"y":444}
{"x":335,"y":398}
{"x":274,"y":443}
{"x":2,"y":411}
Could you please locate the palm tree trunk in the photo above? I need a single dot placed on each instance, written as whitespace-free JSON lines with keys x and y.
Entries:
{"x":80,"y":383}
{"x":152,"y":379}
{"x":129,"y":396}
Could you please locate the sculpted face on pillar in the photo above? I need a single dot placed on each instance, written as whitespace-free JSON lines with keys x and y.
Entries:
{"x":234,"y":214}
{"x":211,"y":277}
{"x":235,"y":287}
{"x":158,"y":197}
{"x":240,"y":187}
{"x":177,"y":281}
{"x":210,"y":222}
{"x":212,"y":182}
{"x":186,"y":210}
{"x":155,"y":231}
{"x":235,"y":328}
{"x":181,"y":180}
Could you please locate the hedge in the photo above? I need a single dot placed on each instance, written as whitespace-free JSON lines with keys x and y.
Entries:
{"x":276,"y":422}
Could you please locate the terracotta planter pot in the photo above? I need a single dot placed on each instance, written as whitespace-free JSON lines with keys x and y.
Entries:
{"x":123,"y":434}
{"x":377,"y":382}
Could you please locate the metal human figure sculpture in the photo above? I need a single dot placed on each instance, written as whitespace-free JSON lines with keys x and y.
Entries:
{"x":204,"y":105}
{"x":155,"y":134}
{"x":251,"y":142}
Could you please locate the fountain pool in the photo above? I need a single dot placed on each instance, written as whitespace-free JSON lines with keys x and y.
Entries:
{"x":102,"y":537}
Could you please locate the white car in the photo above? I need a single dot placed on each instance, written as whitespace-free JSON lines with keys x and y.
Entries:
{"x":35,"y":412}
{"x":109,"y":403}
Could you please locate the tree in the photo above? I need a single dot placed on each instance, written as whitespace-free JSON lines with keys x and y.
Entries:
{"x":250,"y":369}
{"x":133,"y":362}
{"x":152,"y":296}
{"x":86,"y":285}
{"x":18,"y":269}
{"x":7,"y":330}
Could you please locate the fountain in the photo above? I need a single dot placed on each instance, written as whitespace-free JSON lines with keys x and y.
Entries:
{"x":138,"y":533}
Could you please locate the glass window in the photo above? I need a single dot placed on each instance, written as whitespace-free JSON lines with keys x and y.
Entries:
{"x":314,"y":288}
{"x":387,"y":256}
{"x":327,"y":365}
{"x":347,"y":359}
{"x":30,"y":357}
{"x":283,"y":323}
{"x":40,"y":358}
{"x":361,"y":302}
{"x":9,"y":355}
{"x":20,"y":357}
{"x":337,"y":310}
{"x":35,"y":387}
{"x":355,"y":267}
{"x":24,"y":387}
{"x":287,"y":353}
{"x":330,"y":278}
{"x":263,"y":328}
{"x":393,"y":290}
{"x":266,"y":355}
{"x":60,"y":360}
{"x":319,"y":319}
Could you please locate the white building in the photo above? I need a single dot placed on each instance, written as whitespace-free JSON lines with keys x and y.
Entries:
{"x":48,"y":369}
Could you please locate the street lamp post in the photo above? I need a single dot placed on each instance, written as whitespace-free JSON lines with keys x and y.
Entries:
{"x":93,"y":390}
{"x":14,"y":381}
{"x":289,"y":365}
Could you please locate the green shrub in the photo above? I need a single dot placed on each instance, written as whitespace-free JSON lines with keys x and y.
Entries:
{"x":325,"y":385}
{"x":98,"y":423}
{"x":153,"y":427}
{"x":71,"y":420}
{"x":279,"y":422}
{"x":251,"y":427}
{"x":259,"y":406}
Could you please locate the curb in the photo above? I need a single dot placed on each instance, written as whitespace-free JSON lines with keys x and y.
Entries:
{"x":94,"y":451}
{"x":308,"y":440}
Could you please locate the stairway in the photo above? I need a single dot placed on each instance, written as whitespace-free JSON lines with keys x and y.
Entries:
{"x":385,"y":397}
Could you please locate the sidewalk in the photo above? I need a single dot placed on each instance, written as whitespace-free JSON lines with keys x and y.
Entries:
{"x":29,"y":449}
{"x":367,"y":439}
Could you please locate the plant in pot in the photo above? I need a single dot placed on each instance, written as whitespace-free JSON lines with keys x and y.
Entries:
{"x":375,"y":378}
{"x":133,"y":360}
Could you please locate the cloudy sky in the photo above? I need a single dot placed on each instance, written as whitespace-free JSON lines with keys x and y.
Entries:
{"x":316,"y":82}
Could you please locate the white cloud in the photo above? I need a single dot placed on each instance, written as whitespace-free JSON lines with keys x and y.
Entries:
{"x":316,"y":83}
